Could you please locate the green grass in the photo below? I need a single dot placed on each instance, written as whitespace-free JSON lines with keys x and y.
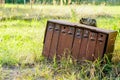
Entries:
{"x":21,"y":43}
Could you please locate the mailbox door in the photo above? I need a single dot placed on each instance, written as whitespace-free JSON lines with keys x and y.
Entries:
{"x":77,"y":43}
{"x":65,"y":41}
{"x":48,"y":39}
{"x":99,"y":50}
{"x":82,"y":53}
{"x":54,"y":43}
{"x":91,"y":46}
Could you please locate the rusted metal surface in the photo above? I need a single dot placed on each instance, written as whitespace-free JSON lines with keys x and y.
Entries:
{"x":48,"y":39}
{"x":91,"y":46}
{"x":62,"y":22}
{"x":100,"y":45}
{"x":77,"y":43}
{"x":110,"y":42}
{"x":82,"y":42}
{"x":54,"y":43}
{"x":82,"y":53}
{"x":65,"y":41}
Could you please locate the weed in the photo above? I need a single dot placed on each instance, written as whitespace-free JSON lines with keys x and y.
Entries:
{"x":21,"y":42}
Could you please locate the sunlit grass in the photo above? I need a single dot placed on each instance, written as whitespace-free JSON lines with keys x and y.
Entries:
{"x":21,"y":43}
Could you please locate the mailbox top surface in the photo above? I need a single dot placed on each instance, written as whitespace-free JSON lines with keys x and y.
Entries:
{"x":62,"y":22}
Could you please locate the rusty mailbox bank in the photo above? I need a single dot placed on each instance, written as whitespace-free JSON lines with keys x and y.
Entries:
{"x":82,"y":42}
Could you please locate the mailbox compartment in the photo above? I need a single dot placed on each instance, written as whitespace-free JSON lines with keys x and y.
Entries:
{"x":77,"y":43}
{"x":48,"y":39}
{"x":100,"y":45}
{"x":65,"y":41}
{"x":54,"y":42}
{"x":84,"y":43}
{"x":91,"y":45}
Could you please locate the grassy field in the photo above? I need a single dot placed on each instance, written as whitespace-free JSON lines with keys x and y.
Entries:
{"x":21,"y":41}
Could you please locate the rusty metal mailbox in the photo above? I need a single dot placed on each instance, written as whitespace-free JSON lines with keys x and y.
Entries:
{"x":81,"y":42}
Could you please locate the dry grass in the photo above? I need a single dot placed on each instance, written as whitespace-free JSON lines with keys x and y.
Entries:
{"x":24,"y":11}
{"x":21,"y":43}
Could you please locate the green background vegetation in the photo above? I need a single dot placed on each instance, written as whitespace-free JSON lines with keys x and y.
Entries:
{"x":113,"y":2}
{"x":21,"y":41}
